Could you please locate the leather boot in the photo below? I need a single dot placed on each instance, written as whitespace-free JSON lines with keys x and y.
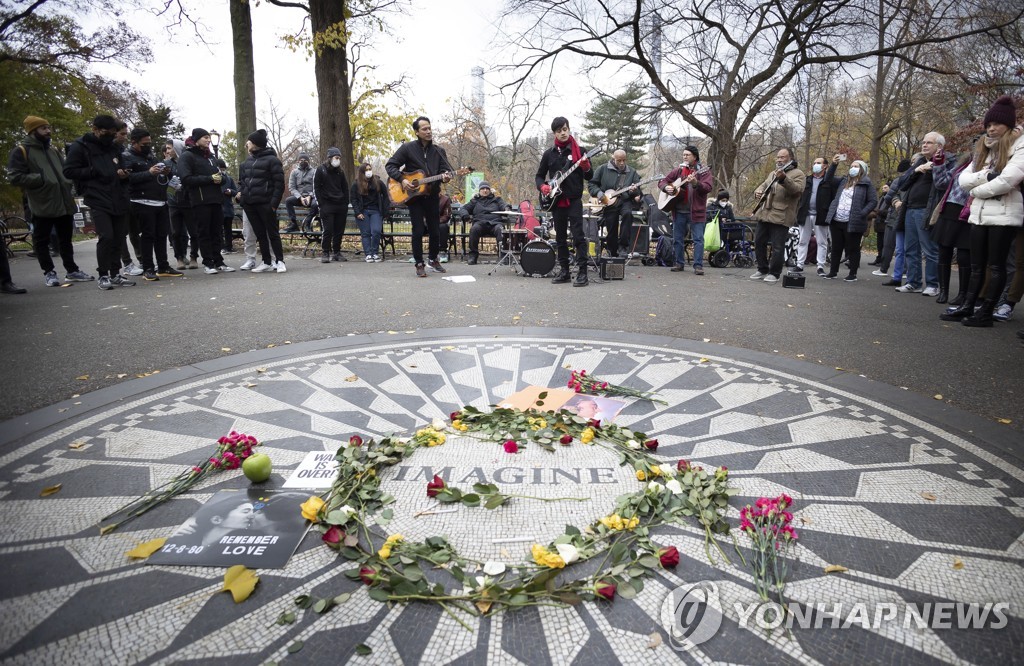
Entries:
{"x":964,"y":278}
{"x":983,"y":317}
{"x":966,"y":309}
{"x":581,"y":277}
{"x":562,"y":276}
{"x":944,"y":274}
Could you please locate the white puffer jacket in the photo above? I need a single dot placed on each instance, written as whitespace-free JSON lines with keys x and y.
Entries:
{"x":997,"y":202}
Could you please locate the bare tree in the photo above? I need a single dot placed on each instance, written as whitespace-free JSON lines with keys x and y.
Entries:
{"x":245,"y":72}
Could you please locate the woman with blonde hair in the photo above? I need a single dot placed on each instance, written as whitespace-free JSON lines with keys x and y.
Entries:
{"x":997,"y":210}
{"x":848,"y":218}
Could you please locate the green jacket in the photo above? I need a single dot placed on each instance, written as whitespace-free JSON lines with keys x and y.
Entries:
{"x":605,"y":177}
{"x":39,"y":171}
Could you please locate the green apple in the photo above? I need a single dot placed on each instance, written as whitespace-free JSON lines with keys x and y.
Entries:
{"x":257,"y":467}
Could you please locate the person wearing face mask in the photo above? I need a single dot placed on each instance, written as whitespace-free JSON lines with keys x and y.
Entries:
{"x":721,"y":209}
{"x":201,"y":180}
{"x":94,"y":164}
{"x":38,"y":169}
{"x":261,"y":186}
{"x":370,"y":202}
{"x":300,"y":189}
{"x":781,"y":192}
{"x":147,"y":192}
{"x":483,"y":208}
{"x":814,"y":205}
{"x":848,"y":218}
{"x":330,"y":190}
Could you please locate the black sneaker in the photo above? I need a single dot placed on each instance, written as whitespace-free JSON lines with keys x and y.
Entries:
{"x":121,"y":281}
{"x":105,"y":284}
{"x":150,"y":276}
{"x":850,"y":278}
{"x":830,"y":276}
{"x":338,"y":256}
{"x":472,"y":259}
{"x":797,"y":269}
{"x":821,"y":272}
{"x":325,"y":258}
{"x":169,"y":272}
{"x":436,"y":267}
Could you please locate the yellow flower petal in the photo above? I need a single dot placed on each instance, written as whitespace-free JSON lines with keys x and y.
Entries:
{"x":144,"y":550}
{"x":240,"y":581}
{"x":641,"y":475}
{"x":311,"y":507}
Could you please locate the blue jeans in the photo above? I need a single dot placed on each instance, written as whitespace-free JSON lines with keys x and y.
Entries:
{"x":918,"y":241}
{"x":370,"y":229}
{"x":897,"y":271}
{"x":680,"y":224}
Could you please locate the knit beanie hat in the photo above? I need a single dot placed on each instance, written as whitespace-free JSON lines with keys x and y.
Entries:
{"x":199,"y":133}
{"x":32,"y":123}
{"x":903,"y":165}
{"x":1002,"y":112}
{"x":694,"y":151}
{"x":483,"y":184}
{"x":862,"y":165}
{"x":333,"y":152}
{"x":259,"y":138}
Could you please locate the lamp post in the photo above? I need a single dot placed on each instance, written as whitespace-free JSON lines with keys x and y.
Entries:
{"x":215,"y":142}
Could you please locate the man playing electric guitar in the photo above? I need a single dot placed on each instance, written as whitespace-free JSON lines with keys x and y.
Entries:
{"x":422,"y":155}
{"x":689,"y":183}
{"x":568,"y":210}
{"x":611,"y":176}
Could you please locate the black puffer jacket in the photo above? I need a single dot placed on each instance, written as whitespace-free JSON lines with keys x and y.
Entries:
{"x":414,"y":156}
{"x":330,"y":187}
{"x":482,"y":209}
{"x":196,"y":171}
{"x":557,"y":159}
{"x":828,"y":185}
{"x":141,"y":183}
{"x":93,"y":168}
{"x":261,"y":179}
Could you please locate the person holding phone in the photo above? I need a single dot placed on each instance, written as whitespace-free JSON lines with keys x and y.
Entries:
{"x":147,"y":194}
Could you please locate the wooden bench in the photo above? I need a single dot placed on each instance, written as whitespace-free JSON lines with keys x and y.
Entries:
{"x":14,"y":229}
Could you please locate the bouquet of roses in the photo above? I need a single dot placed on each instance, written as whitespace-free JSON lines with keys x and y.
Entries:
{"x":767,"y":523}
{"x":232,"y":449}
{"x":581,"y":382}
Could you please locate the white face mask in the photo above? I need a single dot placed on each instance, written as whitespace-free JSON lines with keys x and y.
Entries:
{"x":854,"y":172}
{"x":369,"y":174}
{"x":816,"y":168}
{"x":723,"y":202}
{"x":335,"y":162}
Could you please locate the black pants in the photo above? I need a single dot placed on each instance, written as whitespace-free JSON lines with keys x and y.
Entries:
{"x":290,"y":204}
{"x":843,"y":239}
{"x":154,"y":225}
{"x":263,"y":220}
{"x":135,"y":236}
{"x":184,"y":230}
{"x":766,"y":234}
{"x":444,"y":236}
{"x":42,"y":227}
{"x":990,"y":246}
{"x":229,"y":231}
{"x":483,"y":229}
{"x":110,"y":229}
{"x":570,"y":221}
{"x":886,"y":250}
{"x":333,"y":224}
{"x":426,"y":221}
{"x":208,"y":220}
{"x":617,"y":236}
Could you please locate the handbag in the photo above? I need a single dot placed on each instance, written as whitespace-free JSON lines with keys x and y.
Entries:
{"x":712,"y":236}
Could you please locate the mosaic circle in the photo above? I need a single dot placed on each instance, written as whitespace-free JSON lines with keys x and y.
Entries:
{"x":917,"y":515}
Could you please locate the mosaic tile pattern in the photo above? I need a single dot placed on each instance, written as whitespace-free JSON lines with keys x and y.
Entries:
{"x":896,"y":500}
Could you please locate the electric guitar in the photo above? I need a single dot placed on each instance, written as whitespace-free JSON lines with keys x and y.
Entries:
{"x":420,"y":181}
{"x":611,"y":196}
{"x":667,"y":202}
{"x":547,"y":201}
{"x":789,"y":166}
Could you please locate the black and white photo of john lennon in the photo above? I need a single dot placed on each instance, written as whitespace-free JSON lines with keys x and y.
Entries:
{"x":253,"y":527}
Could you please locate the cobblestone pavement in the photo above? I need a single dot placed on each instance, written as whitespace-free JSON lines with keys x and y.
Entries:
{"x":922,"y":504}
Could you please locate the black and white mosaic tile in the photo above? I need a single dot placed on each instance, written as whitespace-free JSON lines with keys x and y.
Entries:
{"x":892,"y":497}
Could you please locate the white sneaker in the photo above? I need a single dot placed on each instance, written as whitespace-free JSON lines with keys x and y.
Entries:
{"x":930,"y":291}
{"x":770,"y":279}
{"x":377,"y":258}
{"x":248,"y":265}
{"x":225,"y":269}
{"x":131,"y":270}
{"x":262,"y":268}
{"x":369,"y":258}
{"x":1003,"y":313}
{"x":279,"y":266}
{"x":879,"y":273}
{"x":758,"y":276}
{"x":907,"y":289}
{"x":209,"y":270}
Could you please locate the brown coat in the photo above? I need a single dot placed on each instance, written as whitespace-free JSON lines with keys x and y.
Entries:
{"x":783,"y":198}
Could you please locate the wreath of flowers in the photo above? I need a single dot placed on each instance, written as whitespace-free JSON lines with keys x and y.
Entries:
{"x":617,"y":547}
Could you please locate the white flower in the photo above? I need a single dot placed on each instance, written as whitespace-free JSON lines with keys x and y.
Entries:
{"x":494,"y":568}
{"x":346,"y":510}
{"x":675,"y":487}
{"x":437,"y":424}
{"x":655,"y":487}
{"x":567,"y":552}
{"x":633,"y":444}
{"x":668,"y":471}
{"x":482,"y":582}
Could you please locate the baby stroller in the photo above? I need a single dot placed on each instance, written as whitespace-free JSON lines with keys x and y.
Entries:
{"x":737,"y":246}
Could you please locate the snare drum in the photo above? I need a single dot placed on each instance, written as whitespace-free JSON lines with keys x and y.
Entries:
{"x":513,"y":240}
{"x":537,"y":258}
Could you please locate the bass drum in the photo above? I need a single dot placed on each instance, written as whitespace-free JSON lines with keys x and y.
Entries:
{"x":537,"y":258}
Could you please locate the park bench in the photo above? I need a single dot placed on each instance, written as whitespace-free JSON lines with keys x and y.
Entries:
{"x":14,"y":229}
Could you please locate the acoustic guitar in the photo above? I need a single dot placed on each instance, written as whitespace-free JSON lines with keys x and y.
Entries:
{"x":789,"y":166}
{"x":667,"y":202}
{"x":420,"y":181}
{"x":611,"y":196}
{"x":547,"y":202}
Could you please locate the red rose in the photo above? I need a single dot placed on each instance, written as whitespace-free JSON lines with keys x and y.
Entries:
{"x":455,"y":416}
{"x":605,"y":590}
{"x":333,"y":537}
{"x":511,"y":446}
{"x":651,"y":445}
{"x":368,"y":575}
{"x":669,"y":557}
{"x":355,"y":440}
{"x":435,"y":486}
{"x":565,"y":439}
{"x":682,"y":465}
{"x":594,"y":423}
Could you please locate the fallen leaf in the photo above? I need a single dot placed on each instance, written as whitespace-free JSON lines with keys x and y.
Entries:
{"x":835,"y":568}
{"x":703,"y":360}
{"x":62,"y":410}
{"x":788,"y":305}
{"x":958,"y":564}
{"x":484,"y":606}
{"x":261,"y":369}
{"x":352,"y":378}
{"x":363,"y":649}
{"x":655,"y":640}
{"x":50,"y":490}
{"x":83,"y":378}
{"x":271,"y":345}
{"x":805,"y":520}
{"x":144,"y":550}
{"x":76,"y":445}
{"x":929,"y":496}
{"x":1004,"y":421}
{"x":240,"y":582}
{"x":392,"y":332}
{"x":287,"y":342}
{"x":651,"y":314}
{"x":250,"y":385}
{"x":799,"y":355}
{"x":877,"y":342}
{"x":66,"y":284}
{"x":448,"y":348}
{"x":838,"y":368}
{"x":122,"y":375}
{"x":504,"y":553}
{"x":938,"y":396}
{"x":294,"y":647}
{"x":109,"y":528}
{"x":707,"y":339}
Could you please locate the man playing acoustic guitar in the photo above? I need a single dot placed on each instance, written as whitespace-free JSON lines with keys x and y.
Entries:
{"x":422,"y":155}
{"x":568,"y":211}
{"x":687,"y":186}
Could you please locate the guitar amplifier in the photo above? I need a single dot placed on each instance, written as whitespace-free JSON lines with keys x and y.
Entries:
{"x":793,"y":281}
{"x":612,"y":268}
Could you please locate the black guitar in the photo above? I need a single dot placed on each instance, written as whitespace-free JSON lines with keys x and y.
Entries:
{"x":547,"y":201}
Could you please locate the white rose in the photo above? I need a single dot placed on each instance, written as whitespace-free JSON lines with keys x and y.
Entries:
{"x":633,"y":444}
{"x":494,"y":568}
{"x":667,"y":470}
{"x":675,"y":487}
{"x":437,"y":424}
{"x":567,"y":552}
{"x":655,"y":487}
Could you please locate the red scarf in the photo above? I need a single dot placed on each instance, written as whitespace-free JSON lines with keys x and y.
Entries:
{"x":563,"y":201}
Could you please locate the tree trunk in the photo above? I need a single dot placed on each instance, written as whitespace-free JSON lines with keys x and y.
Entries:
{"x":245,"y":73}
{"x":331,"y":69}
{"x":878,"y":123}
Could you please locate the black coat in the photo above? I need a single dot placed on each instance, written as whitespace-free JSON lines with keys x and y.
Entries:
{"x":330,"y":187}
{"x":482,"y":209}
{"x":557,"y":159}
{"x":261,"y":180}
{"x":865,"y":199}
{"x":827,"y":189}
{"x":229,"y":189}
{"x":377,"y":198}
{"x":141,"y":183}
{"x":196,"y":172}
{"x":93,"y":167}
{"x":414,"y":156}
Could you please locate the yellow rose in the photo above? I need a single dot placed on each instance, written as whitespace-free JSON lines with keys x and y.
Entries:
{"x":463,"y":427}
{"x":311,"y":507}
{"x":456,"y":423}
{"x":588,"y":436}
{"x":612,"y":522}
{"x":546,"y":558}
{"x":655,"y":471}
{"x":442,"y":438}
{"x":384,"y":552}
{"x":631,"y":523}
{"x":641,"y":475}
{"x":394,"y":538}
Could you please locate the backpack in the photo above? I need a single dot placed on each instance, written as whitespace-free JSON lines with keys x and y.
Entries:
{"x":664,"y":253}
